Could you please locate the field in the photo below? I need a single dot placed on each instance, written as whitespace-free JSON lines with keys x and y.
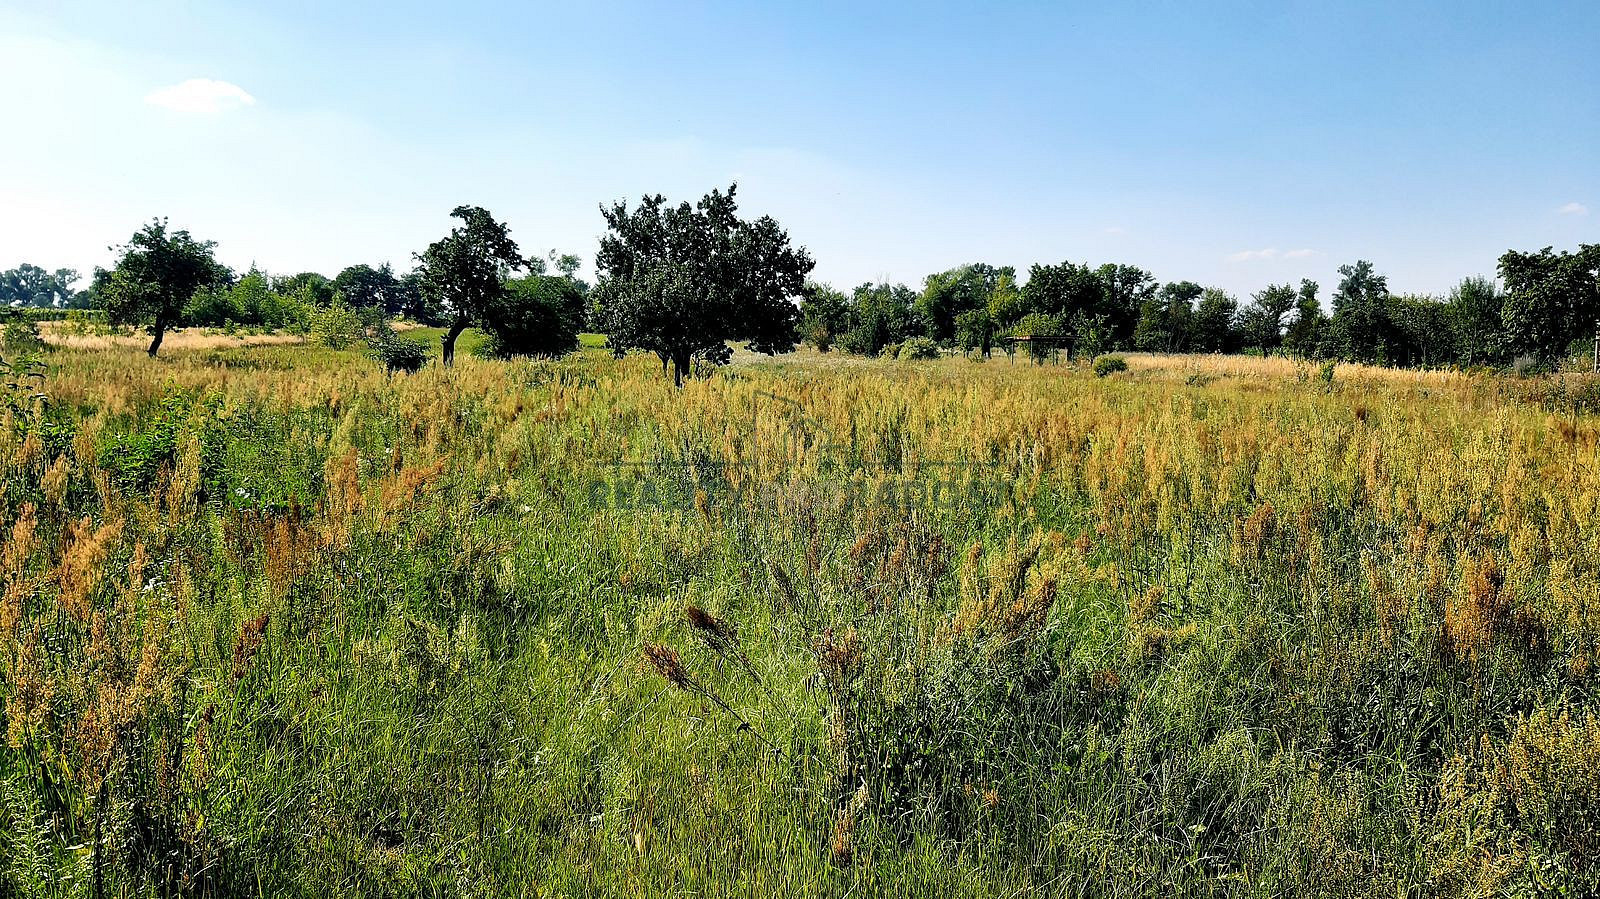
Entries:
{"x":276,"y":623}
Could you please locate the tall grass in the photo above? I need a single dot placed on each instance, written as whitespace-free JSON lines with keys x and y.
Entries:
{"x":275,"y":622}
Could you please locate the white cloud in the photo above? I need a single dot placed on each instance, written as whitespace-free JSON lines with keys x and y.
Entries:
{"x":1573,"y":209}
{"x":1250,"y":255}
{"x":201,"y":95}
{"x":1272,"y":253}
{"x":1116,"y":229}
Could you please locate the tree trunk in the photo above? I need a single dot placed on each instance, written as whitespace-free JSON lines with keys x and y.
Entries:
{"x":160,"y":331}
{"x":680,"y":367}
{"x":448,"y":342}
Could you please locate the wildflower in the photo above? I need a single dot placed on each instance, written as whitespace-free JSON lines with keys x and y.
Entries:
{"x":251,"y":635}
{"x":666,"y":662}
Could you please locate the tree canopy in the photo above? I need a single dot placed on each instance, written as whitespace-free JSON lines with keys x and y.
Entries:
{"x":537,"y":315}
{"x":1551,"y":299}
{"x":465,"y":272}
{"x":156,"y":274}
{"x":28,"y":285}
{"x":681,"y":281}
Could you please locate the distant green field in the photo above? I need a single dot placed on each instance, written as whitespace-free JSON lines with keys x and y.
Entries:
{"x":472,"y":339}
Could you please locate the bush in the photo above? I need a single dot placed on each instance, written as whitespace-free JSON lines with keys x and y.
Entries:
{"x":918,"y":348}
{"x":889,"y":351}
{"x":21,"y":338}
{"x":83,"y":322}
{"x":337,"y":326}
{"x":1109,"y":365}
{"x":538,"y":316}
{"x":1325,"y":374}
{"x":396,"y":353}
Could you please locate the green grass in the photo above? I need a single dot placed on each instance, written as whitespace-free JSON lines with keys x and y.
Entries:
{"x":468,"y":344}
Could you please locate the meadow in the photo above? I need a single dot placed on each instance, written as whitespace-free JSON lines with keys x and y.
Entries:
{"x":274,"y":622}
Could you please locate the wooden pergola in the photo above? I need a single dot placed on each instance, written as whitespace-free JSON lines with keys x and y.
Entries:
{"x":1038,"y":344}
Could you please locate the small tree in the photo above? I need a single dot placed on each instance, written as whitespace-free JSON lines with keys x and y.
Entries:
{"x":918,"y":347}
{"x":394,"y":352}
{"x":682,"y":281}
{"x":155,"y":275}
{"x":465,"y":271}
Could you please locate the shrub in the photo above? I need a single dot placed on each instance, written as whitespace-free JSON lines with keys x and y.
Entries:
{"x":337,"y":327}
{"x":1109,"y":365}
{"x":538,"y":316}
{"x":21,"y":338}
{"x":83,"y":322}
{"x":889,"y":351}
{"x":918,"y":348}
{"x":396,"y":353}
{"x":1325,"y":374}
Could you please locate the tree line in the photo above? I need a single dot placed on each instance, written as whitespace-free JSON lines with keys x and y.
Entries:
{"x":165,"y":278}
{"x":1545,"y":304}
{"x":683,"y":281}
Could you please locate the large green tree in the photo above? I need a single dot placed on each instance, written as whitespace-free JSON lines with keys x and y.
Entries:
{"x":252,"y":300}
{"x":1261,"y":321}
{"x":156,"y":274}
{"x":948,"y":294}
{"x":1362,"y":326}
{"x":1124,"y":291}
{"x":1475,"y":310}
{"x":681,"y":281}
{"x":1214,"y":322}
{"x":1304,"y":335}
{"x":30,"y":285}
{"x":1059,"y":290}
{"x":312,"y":288}
{"x":1101,"y":306}
{"x":1421,"y":331}
{"x":368,"y":287}
{"x":465,"y":272}
{"x":1166,"y":319}
{"x":975,"y":331}
{"x":1551,"y":299}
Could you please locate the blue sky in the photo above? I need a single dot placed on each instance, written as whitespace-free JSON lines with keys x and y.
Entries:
{"x":1234,"y":144}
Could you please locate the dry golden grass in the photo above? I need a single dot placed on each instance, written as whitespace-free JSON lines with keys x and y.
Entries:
{"x":1278,"y":368}
{"x":56,"y":334}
